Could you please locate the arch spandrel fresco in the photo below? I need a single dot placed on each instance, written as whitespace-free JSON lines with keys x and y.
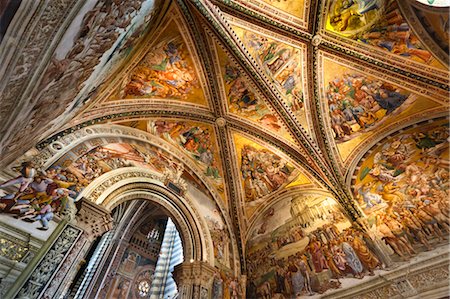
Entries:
{"x":217,"y":227}
{"x":54,"y":192}
{"x":197,"y":140}
{"x":283,"y":63}
{"x":361,"y":104}
{"x":166,"y":71}
{"x":244,"y":101}
{"x":380,"y":24}
{"x":263,"y":172}
{"x":402,"y":186}
{"x":303,"y":245}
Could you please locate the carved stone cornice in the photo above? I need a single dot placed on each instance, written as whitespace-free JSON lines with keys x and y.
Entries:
{"x":93,"y":219}
{"x":138,"y":109}
{"x":195,"y":273}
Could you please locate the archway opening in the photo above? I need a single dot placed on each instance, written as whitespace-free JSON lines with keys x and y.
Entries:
{"x":136,"y":258}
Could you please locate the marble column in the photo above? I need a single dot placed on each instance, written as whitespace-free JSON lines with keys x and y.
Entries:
{"x":194,"y":280}
{"x":52,"y":270}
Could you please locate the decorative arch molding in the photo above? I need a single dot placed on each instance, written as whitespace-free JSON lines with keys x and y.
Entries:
{"x":368,"y":144}
{"x":93,"y":136}
{"x":197,"y":242}
{"x":131,"y":183}
{"x":290,"y":194}
{"x":121,"y":185}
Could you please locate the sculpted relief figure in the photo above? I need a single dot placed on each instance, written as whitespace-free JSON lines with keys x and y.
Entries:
{"x":63,"y":78}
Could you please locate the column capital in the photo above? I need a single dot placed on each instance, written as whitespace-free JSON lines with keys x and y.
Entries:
{"x":197,"y":272}
{"x":92,"y":218}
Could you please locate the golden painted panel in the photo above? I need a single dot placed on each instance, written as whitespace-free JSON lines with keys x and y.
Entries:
{"x":402,"y":185}
{"x":283,"y":64}
{"x":167,"y":71}
{"x":262,"y":172}
{"x":197,"y":140}
{"x":243,"y":101}
{"x":359,"y":104}
{"x":293,"y":7}
{"x":378,"y":23}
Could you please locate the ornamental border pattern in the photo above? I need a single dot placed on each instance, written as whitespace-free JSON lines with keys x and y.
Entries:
{"x":49,"y":265}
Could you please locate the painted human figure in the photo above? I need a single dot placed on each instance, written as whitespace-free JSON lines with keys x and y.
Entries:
{"x":279,"y":278}
{"x":414,"y":229}
{"x":338,"y":256}
{"x":234,"y":289}
{"x":397,"y":229}
{"x":45,"y":215}
{"x":367,"y":258}
{"x":217,"y":292}
{"x":27,"y":173}
{"x":369,"y":198}
{"x":432,"y":208}
{"x":429,"y":222}
{"x":303,"y":268}
{"x":352,"y":258}
{"x":297,"y":280}
{"x":315,"y":248}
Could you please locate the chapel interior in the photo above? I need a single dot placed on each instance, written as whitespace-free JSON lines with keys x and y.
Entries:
{"x":235,"y":149}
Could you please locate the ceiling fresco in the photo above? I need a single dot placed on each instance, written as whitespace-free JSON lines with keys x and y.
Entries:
{"x":262,"y":172}
{"x":379,"y":24}
{"x":113,"y":156}
{"x":197,"y":140}
{"x":73,"y":54}
{"x":359,"y":104}
{"x":284,"y":64}
{"x":287,"y":237}
{"x":244,"y":101}
{"x":55,"y":189}
{"x":405,"y":177}
{"x":305,"y":143}
{"x":167,"y":71}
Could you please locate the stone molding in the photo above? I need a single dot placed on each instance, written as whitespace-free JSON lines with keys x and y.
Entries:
{"x":95,"y":220}
{"x":194,"y":280}
{"x":49,"y":265}
{"x":413,"y":280}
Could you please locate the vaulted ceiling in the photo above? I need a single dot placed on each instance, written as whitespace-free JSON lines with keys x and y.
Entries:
{"x":234,"y":85}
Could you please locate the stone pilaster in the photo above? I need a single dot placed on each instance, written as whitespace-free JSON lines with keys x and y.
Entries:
{"x":194,"y":280}
{"x":52,"y":270}
{"x":36,"y":278}
{"x":93,"y":219}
